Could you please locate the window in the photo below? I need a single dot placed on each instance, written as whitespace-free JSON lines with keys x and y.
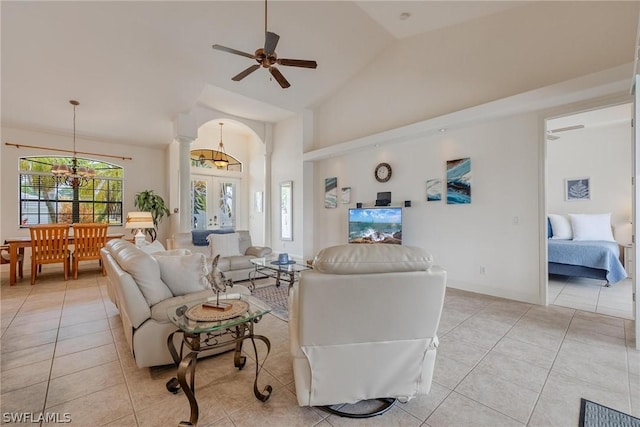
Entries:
{"x":43,"y":201}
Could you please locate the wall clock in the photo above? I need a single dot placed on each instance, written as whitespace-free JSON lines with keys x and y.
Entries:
{"x":383,"y":172}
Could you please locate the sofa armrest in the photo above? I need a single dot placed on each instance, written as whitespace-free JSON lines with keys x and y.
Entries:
{"x":129,"y":296}
{"x":258,"y":251}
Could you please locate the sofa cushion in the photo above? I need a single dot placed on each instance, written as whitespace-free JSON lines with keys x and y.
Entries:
{"x":371,"y":259}
{"x":240,"y":262}
{"x":224,"y":264}
{"x":183,"y":274}
{"x":145,"y":271}
{"x":224,"y":244}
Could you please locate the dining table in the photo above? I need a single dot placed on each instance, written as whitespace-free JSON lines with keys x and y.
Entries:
{"x":17,"y":245}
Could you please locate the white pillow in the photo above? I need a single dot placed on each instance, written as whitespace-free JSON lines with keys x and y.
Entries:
{"x":152,"y":247}
{"x":226,"y":245}
{"x":592,"y":227}
{"x":183,"y":274}
{"x":561,"y":227}
{"x":144,"y":270}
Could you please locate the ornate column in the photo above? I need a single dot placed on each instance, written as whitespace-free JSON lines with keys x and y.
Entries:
{"x":185,"y":132}
{"x":184,"y":190}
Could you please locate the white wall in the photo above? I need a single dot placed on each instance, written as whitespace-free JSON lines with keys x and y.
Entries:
{"x":287,"y":165}
{"x":146,"y":171}
{"x":604,"y":155}
{"x":476,"y":62}
{"x":498,"y":230}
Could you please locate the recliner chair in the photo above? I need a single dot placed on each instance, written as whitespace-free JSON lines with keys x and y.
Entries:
{"x":363,"y":324}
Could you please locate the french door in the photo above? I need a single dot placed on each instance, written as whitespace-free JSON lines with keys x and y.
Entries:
{"x":213,"y":202}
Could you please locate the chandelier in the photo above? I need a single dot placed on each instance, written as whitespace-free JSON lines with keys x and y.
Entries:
{"x":72,"y":175}
{"x":220,"y":158}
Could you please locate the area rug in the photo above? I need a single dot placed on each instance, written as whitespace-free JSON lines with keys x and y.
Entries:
{"x":595,"y":415}
{"x":276,"y":297}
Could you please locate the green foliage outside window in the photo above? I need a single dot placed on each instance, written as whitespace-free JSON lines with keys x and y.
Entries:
{"x":44,"y":201}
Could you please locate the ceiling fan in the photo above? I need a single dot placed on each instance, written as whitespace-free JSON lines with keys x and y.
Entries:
{"x":267,"y":58}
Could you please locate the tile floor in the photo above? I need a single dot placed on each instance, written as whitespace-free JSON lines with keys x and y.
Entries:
{"x":500,"y":363}
{"x":591,"y":295}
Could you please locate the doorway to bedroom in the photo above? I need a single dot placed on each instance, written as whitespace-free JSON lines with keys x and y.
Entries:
{"x":589,"y":191}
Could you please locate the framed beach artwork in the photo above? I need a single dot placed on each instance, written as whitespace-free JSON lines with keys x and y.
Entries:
{"x":459,"y":181}
{"x":345,"y":195}
{"x":434,"y":190}
{"x":331,"y":192}
{"x":577,"y":189}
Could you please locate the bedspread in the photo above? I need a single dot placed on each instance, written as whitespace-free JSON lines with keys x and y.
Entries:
{"x":594,"y":254}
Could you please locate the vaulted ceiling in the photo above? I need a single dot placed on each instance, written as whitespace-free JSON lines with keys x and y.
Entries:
{"x":135,"y":65}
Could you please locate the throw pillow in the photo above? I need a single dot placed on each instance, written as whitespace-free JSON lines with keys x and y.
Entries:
{"x":592,"y":227}
{"x":561,"y":227}
{"x":152,"y":247}
{"x":225,"y":245}
{"x":183,"y":274}
{"x":145,"y":271}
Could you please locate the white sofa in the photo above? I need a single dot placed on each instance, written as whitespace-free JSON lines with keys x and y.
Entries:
{"x":235,"y":251}
{"x":363,"y":323}
{"x":144,"y":284}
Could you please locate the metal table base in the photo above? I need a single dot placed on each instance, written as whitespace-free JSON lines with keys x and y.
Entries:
{"x":198,"y":342}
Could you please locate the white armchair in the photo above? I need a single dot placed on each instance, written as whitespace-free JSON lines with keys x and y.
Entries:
{"x":363,"y":325}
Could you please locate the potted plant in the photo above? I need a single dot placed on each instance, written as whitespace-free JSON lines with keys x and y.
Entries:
{"x":148,"y":201}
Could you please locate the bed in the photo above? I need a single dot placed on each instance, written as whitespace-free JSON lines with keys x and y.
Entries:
{"x":586,"y":258}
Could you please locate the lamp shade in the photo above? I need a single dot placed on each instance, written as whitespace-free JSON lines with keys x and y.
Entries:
{"x":139,"y":220}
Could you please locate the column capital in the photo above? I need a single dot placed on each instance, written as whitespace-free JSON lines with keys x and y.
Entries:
{"x":185,"y":127}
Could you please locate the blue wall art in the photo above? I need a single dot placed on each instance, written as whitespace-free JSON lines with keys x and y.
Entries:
{"x":331,"y":192}
{"x":434,"y":190}
{"x":459,"y":181}
{"x":577,"y":189}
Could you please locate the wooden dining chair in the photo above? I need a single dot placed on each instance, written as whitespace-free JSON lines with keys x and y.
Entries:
{"x":88,"y":239}
{"x":49,"y":245}
{"x":6,"y":259}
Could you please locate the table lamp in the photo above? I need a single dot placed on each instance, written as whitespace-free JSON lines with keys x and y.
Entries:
{"x":139,"y":221}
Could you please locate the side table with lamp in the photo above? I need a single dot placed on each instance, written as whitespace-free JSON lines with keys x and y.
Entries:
{"x":139,"y":221}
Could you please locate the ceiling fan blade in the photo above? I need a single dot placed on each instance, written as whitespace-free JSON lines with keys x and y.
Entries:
{"x":297,"y":63}
{"x":279,"y":77}
{"x":245,"y":73}
{"x":270,"y":42}
{"x":234,"y":51}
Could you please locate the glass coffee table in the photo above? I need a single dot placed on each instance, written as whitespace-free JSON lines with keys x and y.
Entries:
{"x":267,"y":267}
{"x":204,"y":328}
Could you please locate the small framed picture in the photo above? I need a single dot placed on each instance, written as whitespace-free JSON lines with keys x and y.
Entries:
{"x":345,"y":195}
{"x":577,"y":189}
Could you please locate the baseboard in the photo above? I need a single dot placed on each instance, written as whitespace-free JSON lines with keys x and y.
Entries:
{"x":495,"y":291}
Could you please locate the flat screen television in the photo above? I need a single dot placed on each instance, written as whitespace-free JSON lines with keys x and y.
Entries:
{"x":375,"y":225}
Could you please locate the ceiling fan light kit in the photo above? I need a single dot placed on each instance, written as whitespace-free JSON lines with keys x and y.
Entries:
{"x":267,"y":58}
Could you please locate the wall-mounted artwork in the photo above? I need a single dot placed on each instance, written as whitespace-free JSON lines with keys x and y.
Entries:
{"x":286,"y":214}
{"x":459,"y":181}
{"x":331,"y":192}
{"x":434,"y":190}
{"x":345,"y":195}
{"x":258,"y":201}
{"x":577,"y":189}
